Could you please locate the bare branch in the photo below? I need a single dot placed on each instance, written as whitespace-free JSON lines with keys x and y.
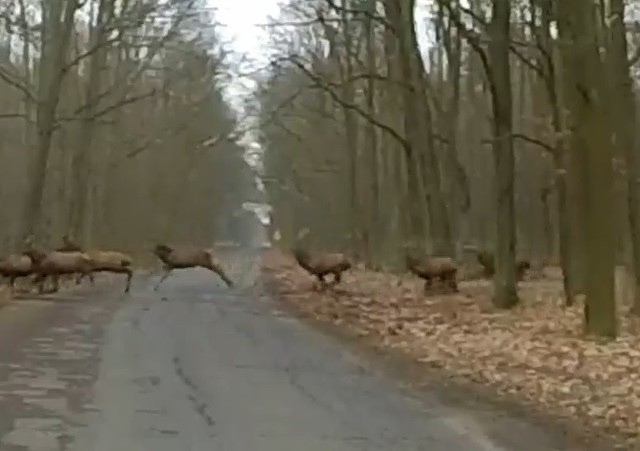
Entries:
{"x":471,"y":37}
{"x":11,"y":115}
{"x":110,"y":108}
{"x":362,"y":12}
{"x":320,"y":83}
{"x":12,"y":81}
{"x":129,"y":80}
{"x":546,"y":146}
{"x":533,"y":66}
{"x":121,"y":103}
{"x":91,"y":51}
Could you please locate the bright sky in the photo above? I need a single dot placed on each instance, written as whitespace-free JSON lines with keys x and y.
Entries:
{"x":241,"y":20}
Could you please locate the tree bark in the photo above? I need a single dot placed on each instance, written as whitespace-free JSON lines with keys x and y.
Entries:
{"x":592,"y":148}
{"x":81,"y":165}
{"x":625,"y":123}
{"x":57,"y":32}
{"x":505,"y":295}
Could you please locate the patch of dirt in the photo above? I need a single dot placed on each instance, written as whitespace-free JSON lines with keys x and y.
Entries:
{"x":534,"y":354}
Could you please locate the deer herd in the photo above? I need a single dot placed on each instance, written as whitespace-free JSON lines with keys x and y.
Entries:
{"x":72,"y":260}
{"x":429,"y":269}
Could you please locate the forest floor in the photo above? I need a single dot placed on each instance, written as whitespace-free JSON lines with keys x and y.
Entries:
{"x":535,"y":354}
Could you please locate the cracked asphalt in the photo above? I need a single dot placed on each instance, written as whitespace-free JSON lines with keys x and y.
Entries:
{"x":198,"y":367}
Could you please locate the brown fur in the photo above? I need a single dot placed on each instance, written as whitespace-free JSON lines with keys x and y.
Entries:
{"x":487,"y":260}
{"x":15,"y":266}
{"x":431,"y":268}
{"x":182,"y":257}
{"x":321,"y":265}
{"x":55,"y":264}
{"x":68,"y":245}
{"x":522,"y":266}
{"x":113,"y":262}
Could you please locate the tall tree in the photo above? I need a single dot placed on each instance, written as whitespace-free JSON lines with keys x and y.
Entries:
{"x":500,"y":82}
{"x":582,"y":65}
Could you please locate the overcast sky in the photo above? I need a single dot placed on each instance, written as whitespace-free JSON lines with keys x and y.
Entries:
{"x":241,"y":20}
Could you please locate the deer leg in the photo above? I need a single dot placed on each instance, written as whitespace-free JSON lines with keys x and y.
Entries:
{"x":218,"y":270}
{"x":129,"y":277}
{"x":318,"y":286}
{"x":166,"y":271}
{"x":21,"y":286}
{"x":337,"y":277}
{"x":323,"y":282}
{"x":39,"y":279}
{"x":42,"y":285}
{"x":452,"y":283}
{"x":31,"y":281}
{"x":28,"y":283}
{"x":12,"y":283}
{"x":427,"y":284}
{"x":80,"y":277}
{"x":56,"y":283}
{"x":91,"y":277}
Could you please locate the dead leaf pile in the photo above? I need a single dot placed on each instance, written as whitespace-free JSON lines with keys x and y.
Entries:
{"x":535,"y":351}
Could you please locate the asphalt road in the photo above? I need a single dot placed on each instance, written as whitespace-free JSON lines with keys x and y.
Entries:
{"x":197,"y":367}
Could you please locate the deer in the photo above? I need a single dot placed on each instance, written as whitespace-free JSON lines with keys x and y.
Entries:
{"x":182,"y":257}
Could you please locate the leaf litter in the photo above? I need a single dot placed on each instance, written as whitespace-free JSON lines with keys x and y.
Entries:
{"x":535,"y":352}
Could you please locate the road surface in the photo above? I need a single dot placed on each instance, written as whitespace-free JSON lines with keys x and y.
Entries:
{"x":197,"y":367}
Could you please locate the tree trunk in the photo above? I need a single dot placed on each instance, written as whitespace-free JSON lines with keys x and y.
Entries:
{"x":560,"y":155}
{"x":81,"y":167}
{"x":372,"y":234}
{"x":57,"y":32}
{"x":418,"y":126}
{"x":505,"y":276}
{"x":592,"y":148}
{"x":624,"y":122}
